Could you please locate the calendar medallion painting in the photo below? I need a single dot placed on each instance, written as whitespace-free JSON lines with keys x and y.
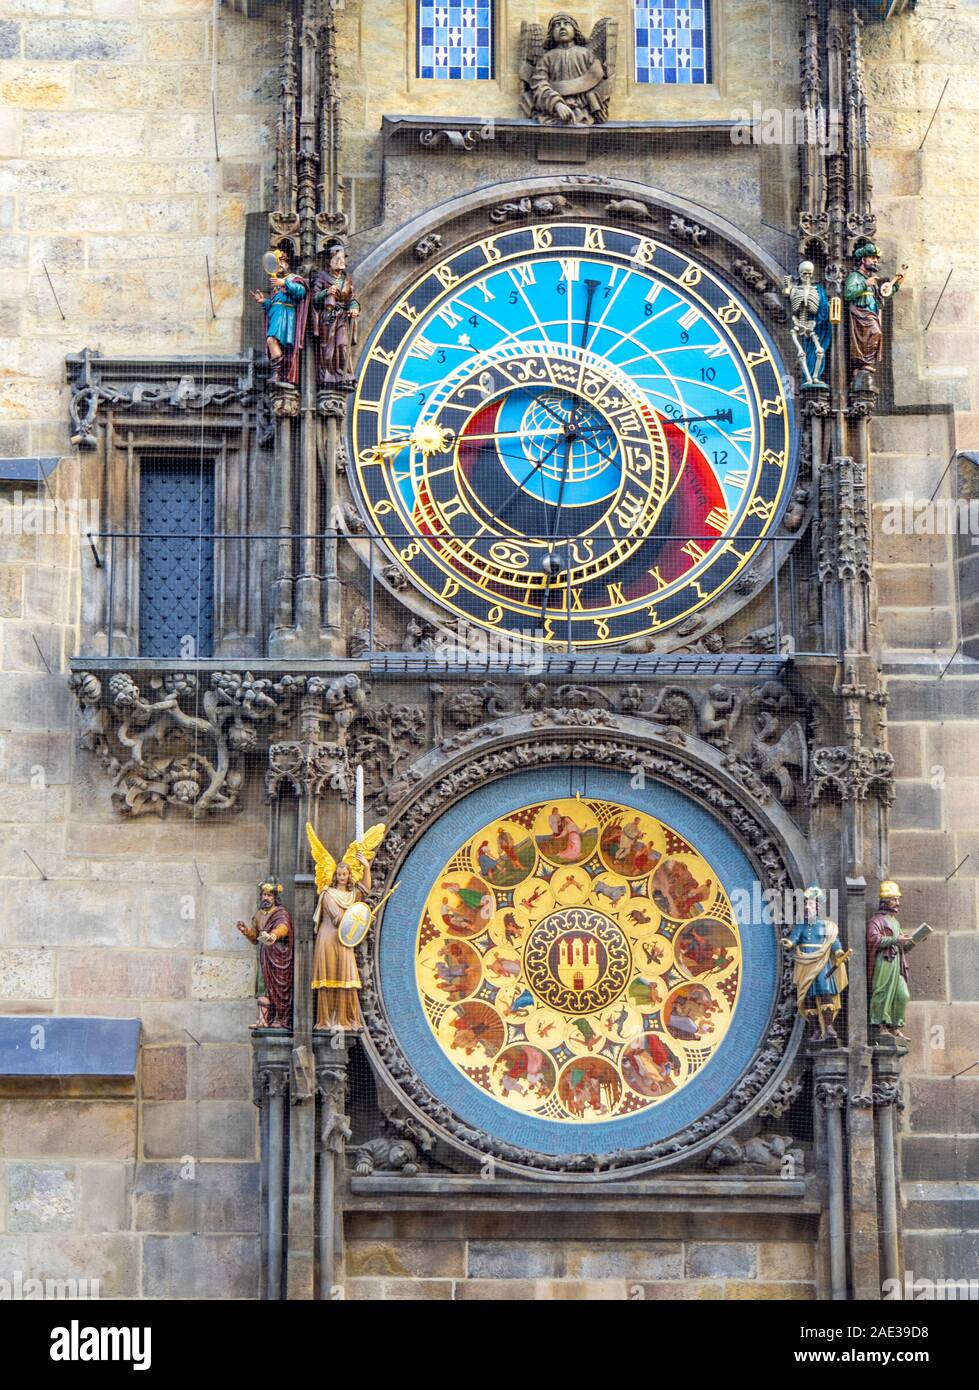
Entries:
{"x":577,"y":960}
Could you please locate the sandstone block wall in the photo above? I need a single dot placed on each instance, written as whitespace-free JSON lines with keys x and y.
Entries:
{"x":112,"y":115}
{"x":468,"y":1257}
{"x":927,"y":200}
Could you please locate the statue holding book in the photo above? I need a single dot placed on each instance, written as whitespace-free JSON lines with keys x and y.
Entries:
{"x":887,"y":962}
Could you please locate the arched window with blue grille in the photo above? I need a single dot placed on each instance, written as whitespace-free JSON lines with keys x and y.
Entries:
{"x":456,"y":40}
{"x":673,"y":42}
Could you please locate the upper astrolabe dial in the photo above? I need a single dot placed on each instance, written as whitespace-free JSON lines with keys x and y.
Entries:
{"x":572,"y":432}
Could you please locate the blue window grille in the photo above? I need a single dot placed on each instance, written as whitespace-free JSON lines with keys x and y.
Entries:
{"x":673,"y":41}
{"x":176,"y":576}
{"x":456,"y":40}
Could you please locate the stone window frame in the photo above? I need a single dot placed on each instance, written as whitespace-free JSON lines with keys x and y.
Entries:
{"x":709,"y":45}
{"x":149,"y":407}
{"x":470,"y":4}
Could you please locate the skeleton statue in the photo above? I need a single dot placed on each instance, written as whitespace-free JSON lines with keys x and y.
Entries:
{"x":811,"y":331}
{"x":567,"y":78}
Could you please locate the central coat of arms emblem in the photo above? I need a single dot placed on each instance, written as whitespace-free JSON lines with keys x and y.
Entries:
{"x":577,"y":960}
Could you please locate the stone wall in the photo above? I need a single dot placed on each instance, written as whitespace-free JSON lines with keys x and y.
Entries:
{"x":471,"y":1257}
{"x":109,"y":184}
{"x":927,"y":201}
{"x":84,"y":1197}
{"x":125,"y":918}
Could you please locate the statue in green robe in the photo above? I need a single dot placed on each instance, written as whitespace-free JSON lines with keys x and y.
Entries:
{"x":887,"y":964}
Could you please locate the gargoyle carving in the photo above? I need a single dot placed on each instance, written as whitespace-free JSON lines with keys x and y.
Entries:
{"x":772,"y":755}
{"x":774,"y":1155}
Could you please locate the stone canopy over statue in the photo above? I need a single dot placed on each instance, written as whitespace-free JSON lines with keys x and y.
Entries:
{"x":567,"y":79}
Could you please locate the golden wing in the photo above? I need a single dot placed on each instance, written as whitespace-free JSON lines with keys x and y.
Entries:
{"x":326,"y":865}
{"x":368,"y":847}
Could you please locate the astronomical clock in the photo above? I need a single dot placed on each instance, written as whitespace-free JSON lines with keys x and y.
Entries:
{"x":572,"y":430}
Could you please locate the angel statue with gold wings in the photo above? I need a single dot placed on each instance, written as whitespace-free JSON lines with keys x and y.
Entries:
{"x":567,"y":79}
{"x":342,"y":920}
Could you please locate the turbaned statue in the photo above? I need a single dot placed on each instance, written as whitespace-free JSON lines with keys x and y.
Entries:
{"x":567,"y":79}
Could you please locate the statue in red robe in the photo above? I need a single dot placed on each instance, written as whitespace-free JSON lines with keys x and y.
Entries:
{"x":271,"y":930}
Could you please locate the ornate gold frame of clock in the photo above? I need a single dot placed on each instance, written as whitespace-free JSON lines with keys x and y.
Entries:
{"x":712,"y":259}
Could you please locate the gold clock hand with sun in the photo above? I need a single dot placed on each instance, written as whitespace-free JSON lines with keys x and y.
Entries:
{"x":433,"y":439}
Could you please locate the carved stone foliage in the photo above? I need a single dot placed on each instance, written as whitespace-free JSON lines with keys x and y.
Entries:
{"x":882,"y":1093}
{"x":184,"y":742}
{"x":311,"y":768}
{"x":375,"y":734}
{"x":782,"y":1099}
{"x":269,"y":1080}
{"x":850,"y":773}
{"x":765,"y":747}
{"x":179,"y":748}
{"x":383,"y":739}
{"x":601,"y":748}
{"x":830,"y":1094}
{"x":99,"y":383}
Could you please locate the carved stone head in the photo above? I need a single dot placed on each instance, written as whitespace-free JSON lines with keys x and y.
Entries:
{"x":563,"y":29}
